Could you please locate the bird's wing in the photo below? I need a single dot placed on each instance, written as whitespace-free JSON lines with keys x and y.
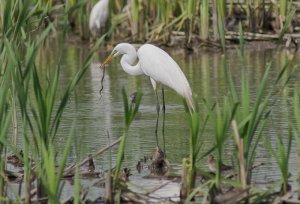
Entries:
{"x":99,"y":14}
{"x":104,"y":13}
{"x":158,"y":65}
{"x":93,"y":22}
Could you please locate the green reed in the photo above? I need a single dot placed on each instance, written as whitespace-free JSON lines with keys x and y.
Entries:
{"x":5,"y":118}
{"x":40,"y":116}
{"x":197,"y":123}
{"x":221,"y":32}
{"x":49,"y":174}
{"x":130,"y":111}
{"x":163,"y":22}
{"x":204,"y":12}
{"x":251,"y":117}
{"x":287,"y":23}
{"x":281,"y":153}
{"x":221,"y":4}
{"x":248,"y":115}
{"x":190,"y":11}
{"x":296,"y":127}
{"x":134,"y":16}
{"x":297,"y":117}
{"x":220,"y":119}
{"x":256,"y":3}
{"x":195,"y":146}
{"x":14,"y":24}
{"x":283,"y":7}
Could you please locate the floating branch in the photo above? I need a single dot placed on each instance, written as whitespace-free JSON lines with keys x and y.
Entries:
{"x":84,"y":161}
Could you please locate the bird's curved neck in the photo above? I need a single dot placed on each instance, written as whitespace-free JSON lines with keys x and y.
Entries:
{"x":130,"y":64}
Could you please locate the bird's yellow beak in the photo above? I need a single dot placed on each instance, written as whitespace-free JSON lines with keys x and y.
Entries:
{"x":107,"y":60}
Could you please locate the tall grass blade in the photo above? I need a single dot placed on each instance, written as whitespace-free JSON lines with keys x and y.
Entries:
{"x":287,"y":24}
{"x":283,"y":7}
{"x":281,"y":155}
{"x":130,"y":111}
{"x":242,"y":42}
{"x":221,"y":29}
{"x":204,"y":19}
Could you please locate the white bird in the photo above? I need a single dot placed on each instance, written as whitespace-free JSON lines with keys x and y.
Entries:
{"x":158,"y":65}
{"x":98,"y":17}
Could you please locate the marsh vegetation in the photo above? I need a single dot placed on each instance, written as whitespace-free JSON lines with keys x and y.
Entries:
{"x":63,"y":142}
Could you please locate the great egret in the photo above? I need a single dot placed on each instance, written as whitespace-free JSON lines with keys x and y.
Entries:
{"x":158,"y":65}
{"x":98,"y":17}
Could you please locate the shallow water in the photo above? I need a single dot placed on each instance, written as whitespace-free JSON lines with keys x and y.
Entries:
{"x":96,"y":117}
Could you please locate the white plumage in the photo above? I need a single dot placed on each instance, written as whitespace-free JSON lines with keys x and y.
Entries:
{"x":155,"y":63}
{"x":158,"y":65}
{"x":99,"y":16}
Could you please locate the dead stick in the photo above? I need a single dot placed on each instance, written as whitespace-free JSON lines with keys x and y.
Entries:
{"x":157,"y":188}
{"x":82,"y":162}
{"x":142,"y":196}
{"x":102,"y":79}
{"x":130,"y":197}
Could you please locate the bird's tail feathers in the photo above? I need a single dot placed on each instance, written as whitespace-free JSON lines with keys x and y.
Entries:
{"x":190,"y":102}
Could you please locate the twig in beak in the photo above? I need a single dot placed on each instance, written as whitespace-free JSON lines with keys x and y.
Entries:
{"x":102,"y":79}
{"x":102,"y":66}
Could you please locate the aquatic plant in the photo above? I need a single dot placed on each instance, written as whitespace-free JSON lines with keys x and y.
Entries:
{"x":287,"y":23}
{"x":204,"y":12}
{"x":221,"y":31}
{"x":283,"y":8}
{"x":251,"y":118}
{"x":5,"y":119}
{"x":296,"y":127}
{"x":158,"y":19}
{"x":220,"y":119}
{"x":130,"y":110}
{"x":297,"y":108}
{"x":281,"y":154}
{"x":195,"y":144}
{"x":190,"y":168}
{"x":40,"y":118}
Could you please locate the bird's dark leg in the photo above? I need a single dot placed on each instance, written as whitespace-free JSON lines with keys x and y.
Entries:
{"x":157,"y":110}
{"x":164,"y":113}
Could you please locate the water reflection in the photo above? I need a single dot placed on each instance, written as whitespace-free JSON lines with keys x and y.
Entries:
{"x":205,"y":72}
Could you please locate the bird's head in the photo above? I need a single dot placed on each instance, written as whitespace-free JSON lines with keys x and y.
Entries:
{"x":112,"y":55}
{"x":120,"y":49}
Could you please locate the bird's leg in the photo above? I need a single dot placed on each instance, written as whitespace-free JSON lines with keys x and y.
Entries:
{"x":164,"y":113}
{"x":157,"y":110}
